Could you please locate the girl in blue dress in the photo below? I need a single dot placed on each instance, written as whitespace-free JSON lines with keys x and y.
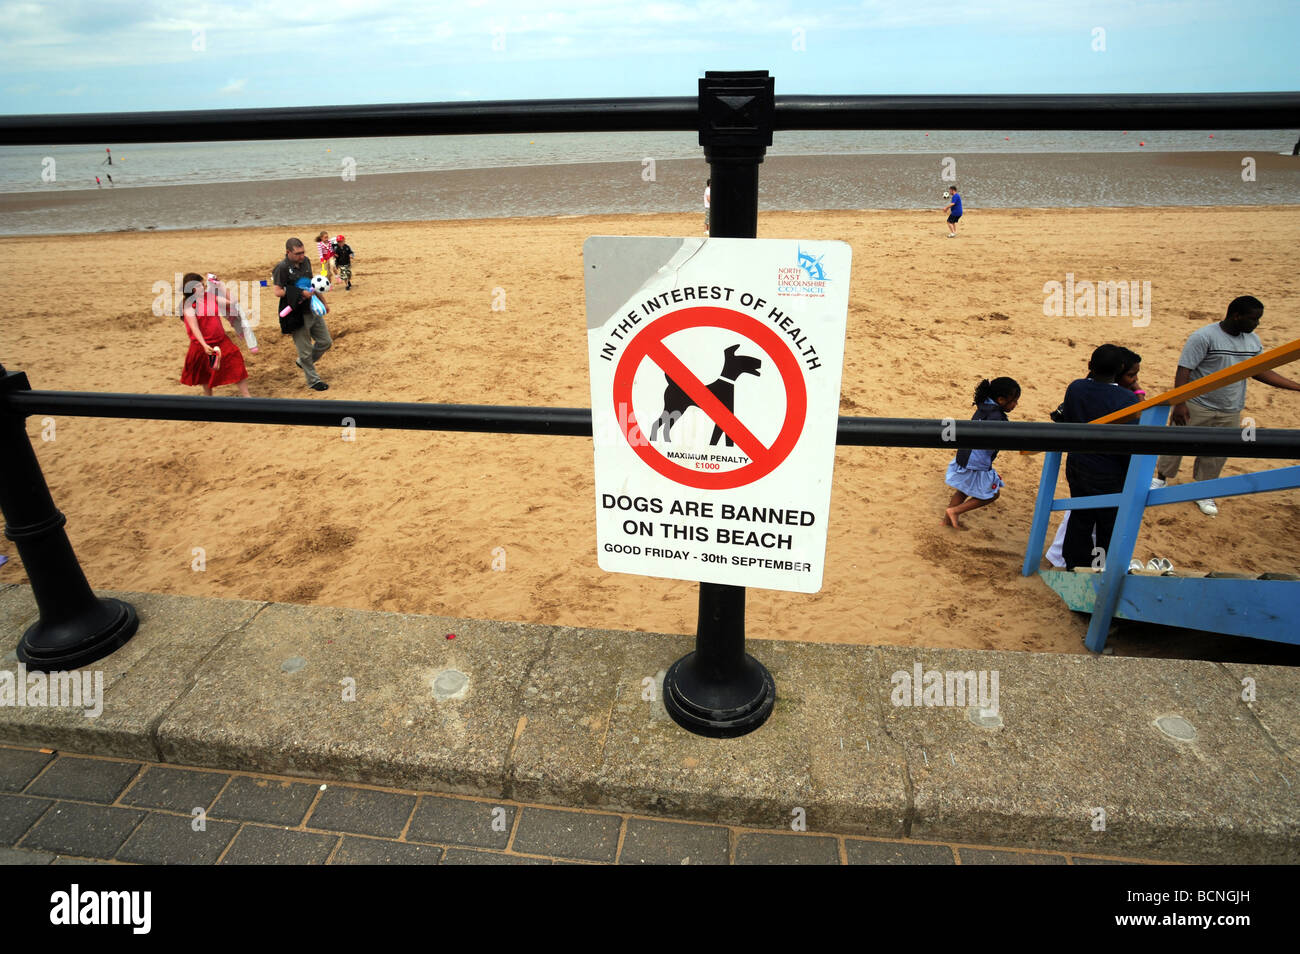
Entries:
{"x":970,"y":474}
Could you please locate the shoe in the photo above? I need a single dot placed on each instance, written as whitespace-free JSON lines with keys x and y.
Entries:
{"x":1208,"y":507}
{"x":1157,"y":482}
{"x":1134,"y":565}
{"x":320,"y":386}
{"x":1160,"y":565}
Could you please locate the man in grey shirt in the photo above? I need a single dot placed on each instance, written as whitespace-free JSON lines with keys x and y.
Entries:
{"x":1207,"y":350}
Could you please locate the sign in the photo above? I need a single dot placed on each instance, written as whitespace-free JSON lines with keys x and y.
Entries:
{"x":715,"y":391}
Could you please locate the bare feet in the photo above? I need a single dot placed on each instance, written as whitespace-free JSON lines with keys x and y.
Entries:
{"x":950,"y":518}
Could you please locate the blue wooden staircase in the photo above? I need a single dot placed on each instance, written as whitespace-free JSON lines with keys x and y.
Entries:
{"x":1259,"y":608}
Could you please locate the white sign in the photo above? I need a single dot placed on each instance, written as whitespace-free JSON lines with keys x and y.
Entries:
{"x":715,"y":394}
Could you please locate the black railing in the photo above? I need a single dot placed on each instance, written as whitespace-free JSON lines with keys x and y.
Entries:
{"x":1068,"y":111}
{"x":1276,"y":444}
{"x":719,"y":689}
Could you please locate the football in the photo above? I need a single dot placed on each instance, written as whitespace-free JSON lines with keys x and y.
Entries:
{"x":320,"y":283}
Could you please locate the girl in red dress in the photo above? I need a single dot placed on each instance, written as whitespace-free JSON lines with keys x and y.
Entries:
{"x":213,"y":359}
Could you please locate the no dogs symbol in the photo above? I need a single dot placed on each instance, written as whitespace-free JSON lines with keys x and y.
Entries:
{"x":719,"y":435}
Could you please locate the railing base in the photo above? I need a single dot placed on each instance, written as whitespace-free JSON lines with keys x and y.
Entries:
{"x":719,"y":709}
{"x":78,"y":642}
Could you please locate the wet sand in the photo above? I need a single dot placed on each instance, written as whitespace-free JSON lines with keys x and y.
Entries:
{"x":414,"y":522}
{"x":988,"y":181}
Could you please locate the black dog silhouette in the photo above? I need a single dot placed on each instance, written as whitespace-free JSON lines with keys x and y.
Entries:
{"x":677,"y":401}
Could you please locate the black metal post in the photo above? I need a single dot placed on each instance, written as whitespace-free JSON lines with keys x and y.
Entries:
{"x":75,"y":626}
{"x":719,"y":690}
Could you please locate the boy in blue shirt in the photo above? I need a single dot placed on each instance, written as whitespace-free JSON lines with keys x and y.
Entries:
{"x":953,"y":208}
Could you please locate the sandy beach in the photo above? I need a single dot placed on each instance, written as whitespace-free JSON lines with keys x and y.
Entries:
{"x":413,"y":522}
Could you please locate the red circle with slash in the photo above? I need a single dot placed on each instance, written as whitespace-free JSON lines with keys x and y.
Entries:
{"x":650,"y":345}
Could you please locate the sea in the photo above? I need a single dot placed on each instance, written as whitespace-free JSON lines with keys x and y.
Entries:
{"x":159,"y":164}
{"x":54,"y":189}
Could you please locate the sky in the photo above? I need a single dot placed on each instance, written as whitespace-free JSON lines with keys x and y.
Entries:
{"x":77,"y":56}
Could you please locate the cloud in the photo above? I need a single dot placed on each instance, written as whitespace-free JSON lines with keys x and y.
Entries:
{"x":73,"y":34}
{"x":143,"y":49}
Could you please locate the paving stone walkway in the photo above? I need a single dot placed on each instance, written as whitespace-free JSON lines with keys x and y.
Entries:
{"x":59,"y":808}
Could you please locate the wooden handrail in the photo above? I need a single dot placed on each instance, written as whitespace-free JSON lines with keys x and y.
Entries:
{"x":1264,"y":361}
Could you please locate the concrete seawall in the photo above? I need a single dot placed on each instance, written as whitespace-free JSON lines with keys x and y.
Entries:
{"x":1075,"y":759}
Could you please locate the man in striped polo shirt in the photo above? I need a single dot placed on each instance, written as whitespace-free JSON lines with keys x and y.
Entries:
{"x":1207,"y":350}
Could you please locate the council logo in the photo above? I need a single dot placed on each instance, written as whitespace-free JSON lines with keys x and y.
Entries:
{"x":813,"y":266}
{"x":805,"y":279}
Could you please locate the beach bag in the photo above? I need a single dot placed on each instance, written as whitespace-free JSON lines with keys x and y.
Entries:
{"x":294,"y":320}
